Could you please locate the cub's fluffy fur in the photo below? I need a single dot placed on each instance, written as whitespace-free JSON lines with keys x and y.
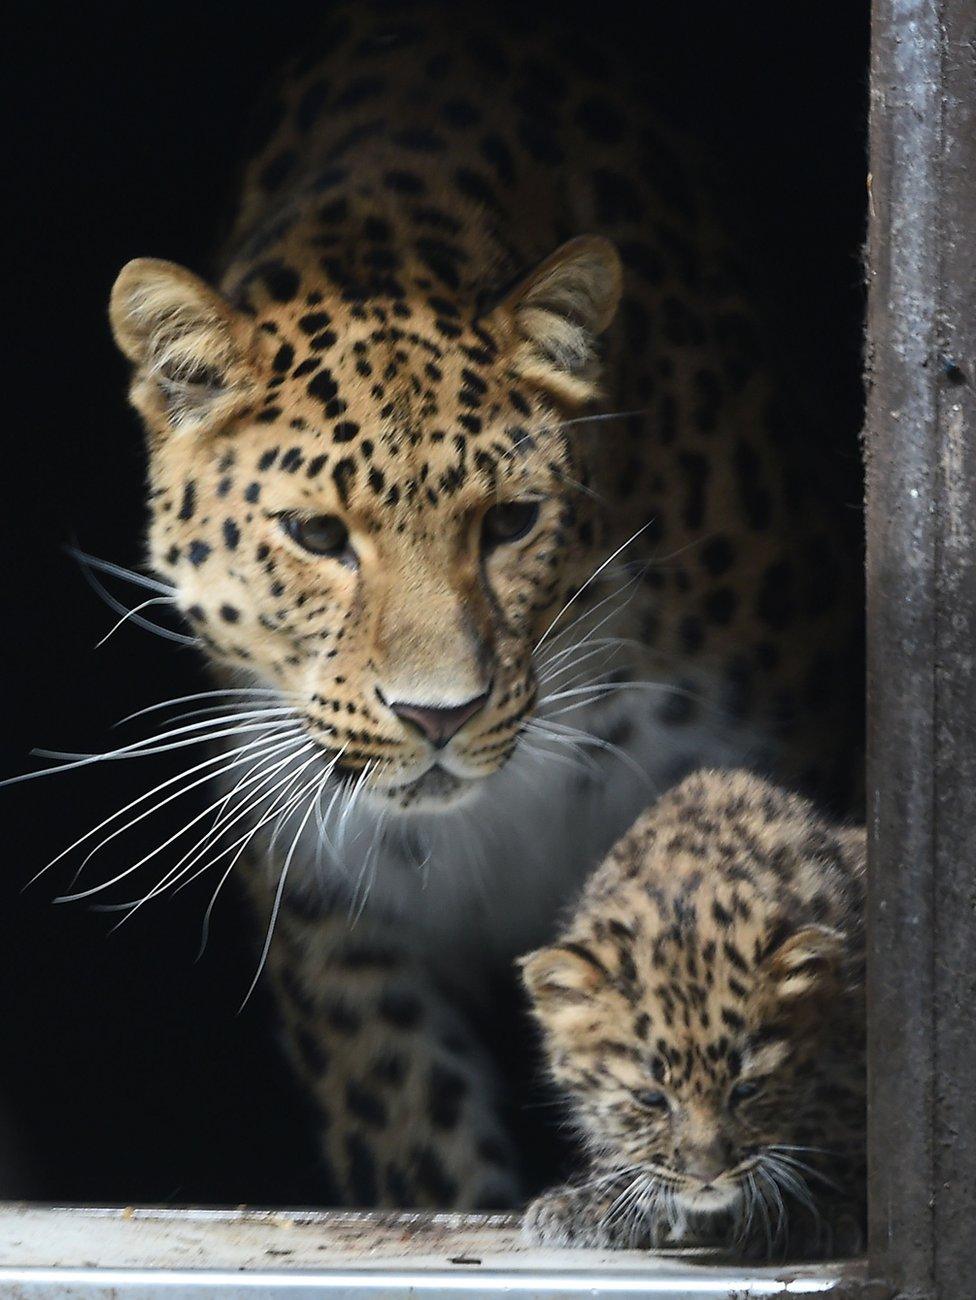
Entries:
{"x":703,"y":1012}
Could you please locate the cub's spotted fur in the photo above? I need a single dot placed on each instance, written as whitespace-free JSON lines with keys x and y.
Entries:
{"x":704,"y":1013}
{"x":486,"y":625}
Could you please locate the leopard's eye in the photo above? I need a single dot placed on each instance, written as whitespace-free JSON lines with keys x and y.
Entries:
{"x":508,"y":522}
{"x":319,"y":534}
{"x":651,"y":1099}
{"x":742,"y":1091}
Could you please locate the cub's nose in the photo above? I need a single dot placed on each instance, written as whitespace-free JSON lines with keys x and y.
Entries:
{"x":705,"y":1160}
{"x":438,"y":725}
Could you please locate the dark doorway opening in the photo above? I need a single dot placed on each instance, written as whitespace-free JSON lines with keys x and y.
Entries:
{"x":128,"y":1072}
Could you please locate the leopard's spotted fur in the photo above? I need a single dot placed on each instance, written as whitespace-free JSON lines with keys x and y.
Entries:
{"x":381,"y":352}
{"x":704,"y":1012}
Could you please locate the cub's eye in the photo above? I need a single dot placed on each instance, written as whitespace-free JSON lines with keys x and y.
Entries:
{"x":320,"y":534}
{"x":508,"y":522}
{"x":651,"y":1099}
{"x":742,"y":1091}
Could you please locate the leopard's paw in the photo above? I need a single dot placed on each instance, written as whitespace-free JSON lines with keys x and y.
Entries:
{"x":553,"y":1219}
{"x":570,"y":1217}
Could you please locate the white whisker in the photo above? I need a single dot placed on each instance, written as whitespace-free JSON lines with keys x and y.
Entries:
{"x":579,"y":737}
{"x":138,"y":748}
{"x":206,"y":695}
{"x":576,"y":761}
{"x":243,"y":843}
{"x":205,"y":842}
{"x":596,"y":418}
{"x":591,"y":647}
{"x":620,"y":593}
{"x":166,"y":633}
{"x":226,"y":713}
{"x":264,"y":746}
{"x":608,"y":688}
{"x":87,"y":893}
{"x":763,"y":1212}
{"x":176,"y":877}
{"x":132,"y":614}
{"x":591,"y":579}
{"x":318,"y":785}
{"x":793,"y":1182}
{"x":354,"y":789}
{"x":766,"y":1176}
{"x":208,"y":762}
{"x":209,"y":841}
{"x":802,"y":1167}
{"x":118,"y":571}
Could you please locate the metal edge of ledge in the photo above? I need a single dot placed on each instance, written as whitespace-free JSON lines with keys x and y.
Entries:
{"x":103,"y":1253}
{"x":383,"y":1284}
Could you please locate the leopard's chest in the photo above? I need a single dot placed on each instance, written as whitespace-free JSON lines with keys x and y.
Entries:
{"x":470,"y":890}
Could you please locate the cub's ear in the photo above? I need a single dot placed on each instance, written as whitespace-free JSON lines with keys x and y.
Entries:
{"x":564,"y":974}
{"x":558,"y":313}
{"x":806,"y":965}
{"x":194,"y":356}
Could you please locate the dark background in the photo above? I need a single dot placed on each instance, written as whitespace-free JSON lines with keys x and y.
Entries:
{"x":128,"y":1072}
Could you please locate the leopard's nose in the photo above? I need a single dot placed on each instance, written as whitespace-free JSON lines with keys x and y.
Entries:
{"x":705,"y":1160}
{"x":438,"y":724}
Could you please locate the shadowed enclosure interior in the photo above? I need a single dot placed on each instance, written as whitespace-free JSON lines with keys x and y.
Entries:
{"x":127,"y":1070}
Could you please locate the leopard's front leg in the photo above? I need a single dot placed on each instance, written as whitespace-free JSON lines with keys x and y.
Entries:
{"x":407,"y":1096}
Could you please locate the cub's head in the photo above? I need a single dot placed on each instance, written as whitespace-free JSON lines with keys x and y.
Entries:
{"x":371,"y":504}
{"x":700,"y":1051}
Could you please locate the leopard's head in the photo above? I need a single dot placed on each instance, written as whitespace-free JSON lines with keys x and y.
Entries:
{"x":700,"y":1052}
{"x":372,"y":505}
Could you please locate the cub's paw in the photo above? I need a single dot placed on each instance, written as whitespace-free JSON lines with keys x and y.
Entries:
{"x":562,"y":1217}
{"x":576,"y":1217}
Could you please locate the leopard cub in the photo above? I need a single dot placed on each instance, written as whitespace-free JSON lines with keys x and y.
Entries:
{"x":704,"y":1014}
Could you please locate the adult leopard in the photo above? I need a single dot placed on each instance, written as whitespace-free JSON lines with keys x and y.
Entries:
{"x":474,"y":460}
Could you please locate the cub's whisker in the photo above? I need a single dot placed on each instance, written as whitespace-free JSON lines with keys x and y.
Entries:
{"x":778,"y":1204}
{"x":794,"y":1183}
{"x":807,"y":1170}
{"x":623,"y":593}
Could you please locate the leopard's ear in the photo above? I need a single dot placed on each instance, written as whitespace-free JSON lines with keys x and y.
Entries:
{"x":571,"y":993}
{"x":194,"y":357}
{"x":559,"y":311}
{"x":563,"y":974}
{"x":804,"y":966}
